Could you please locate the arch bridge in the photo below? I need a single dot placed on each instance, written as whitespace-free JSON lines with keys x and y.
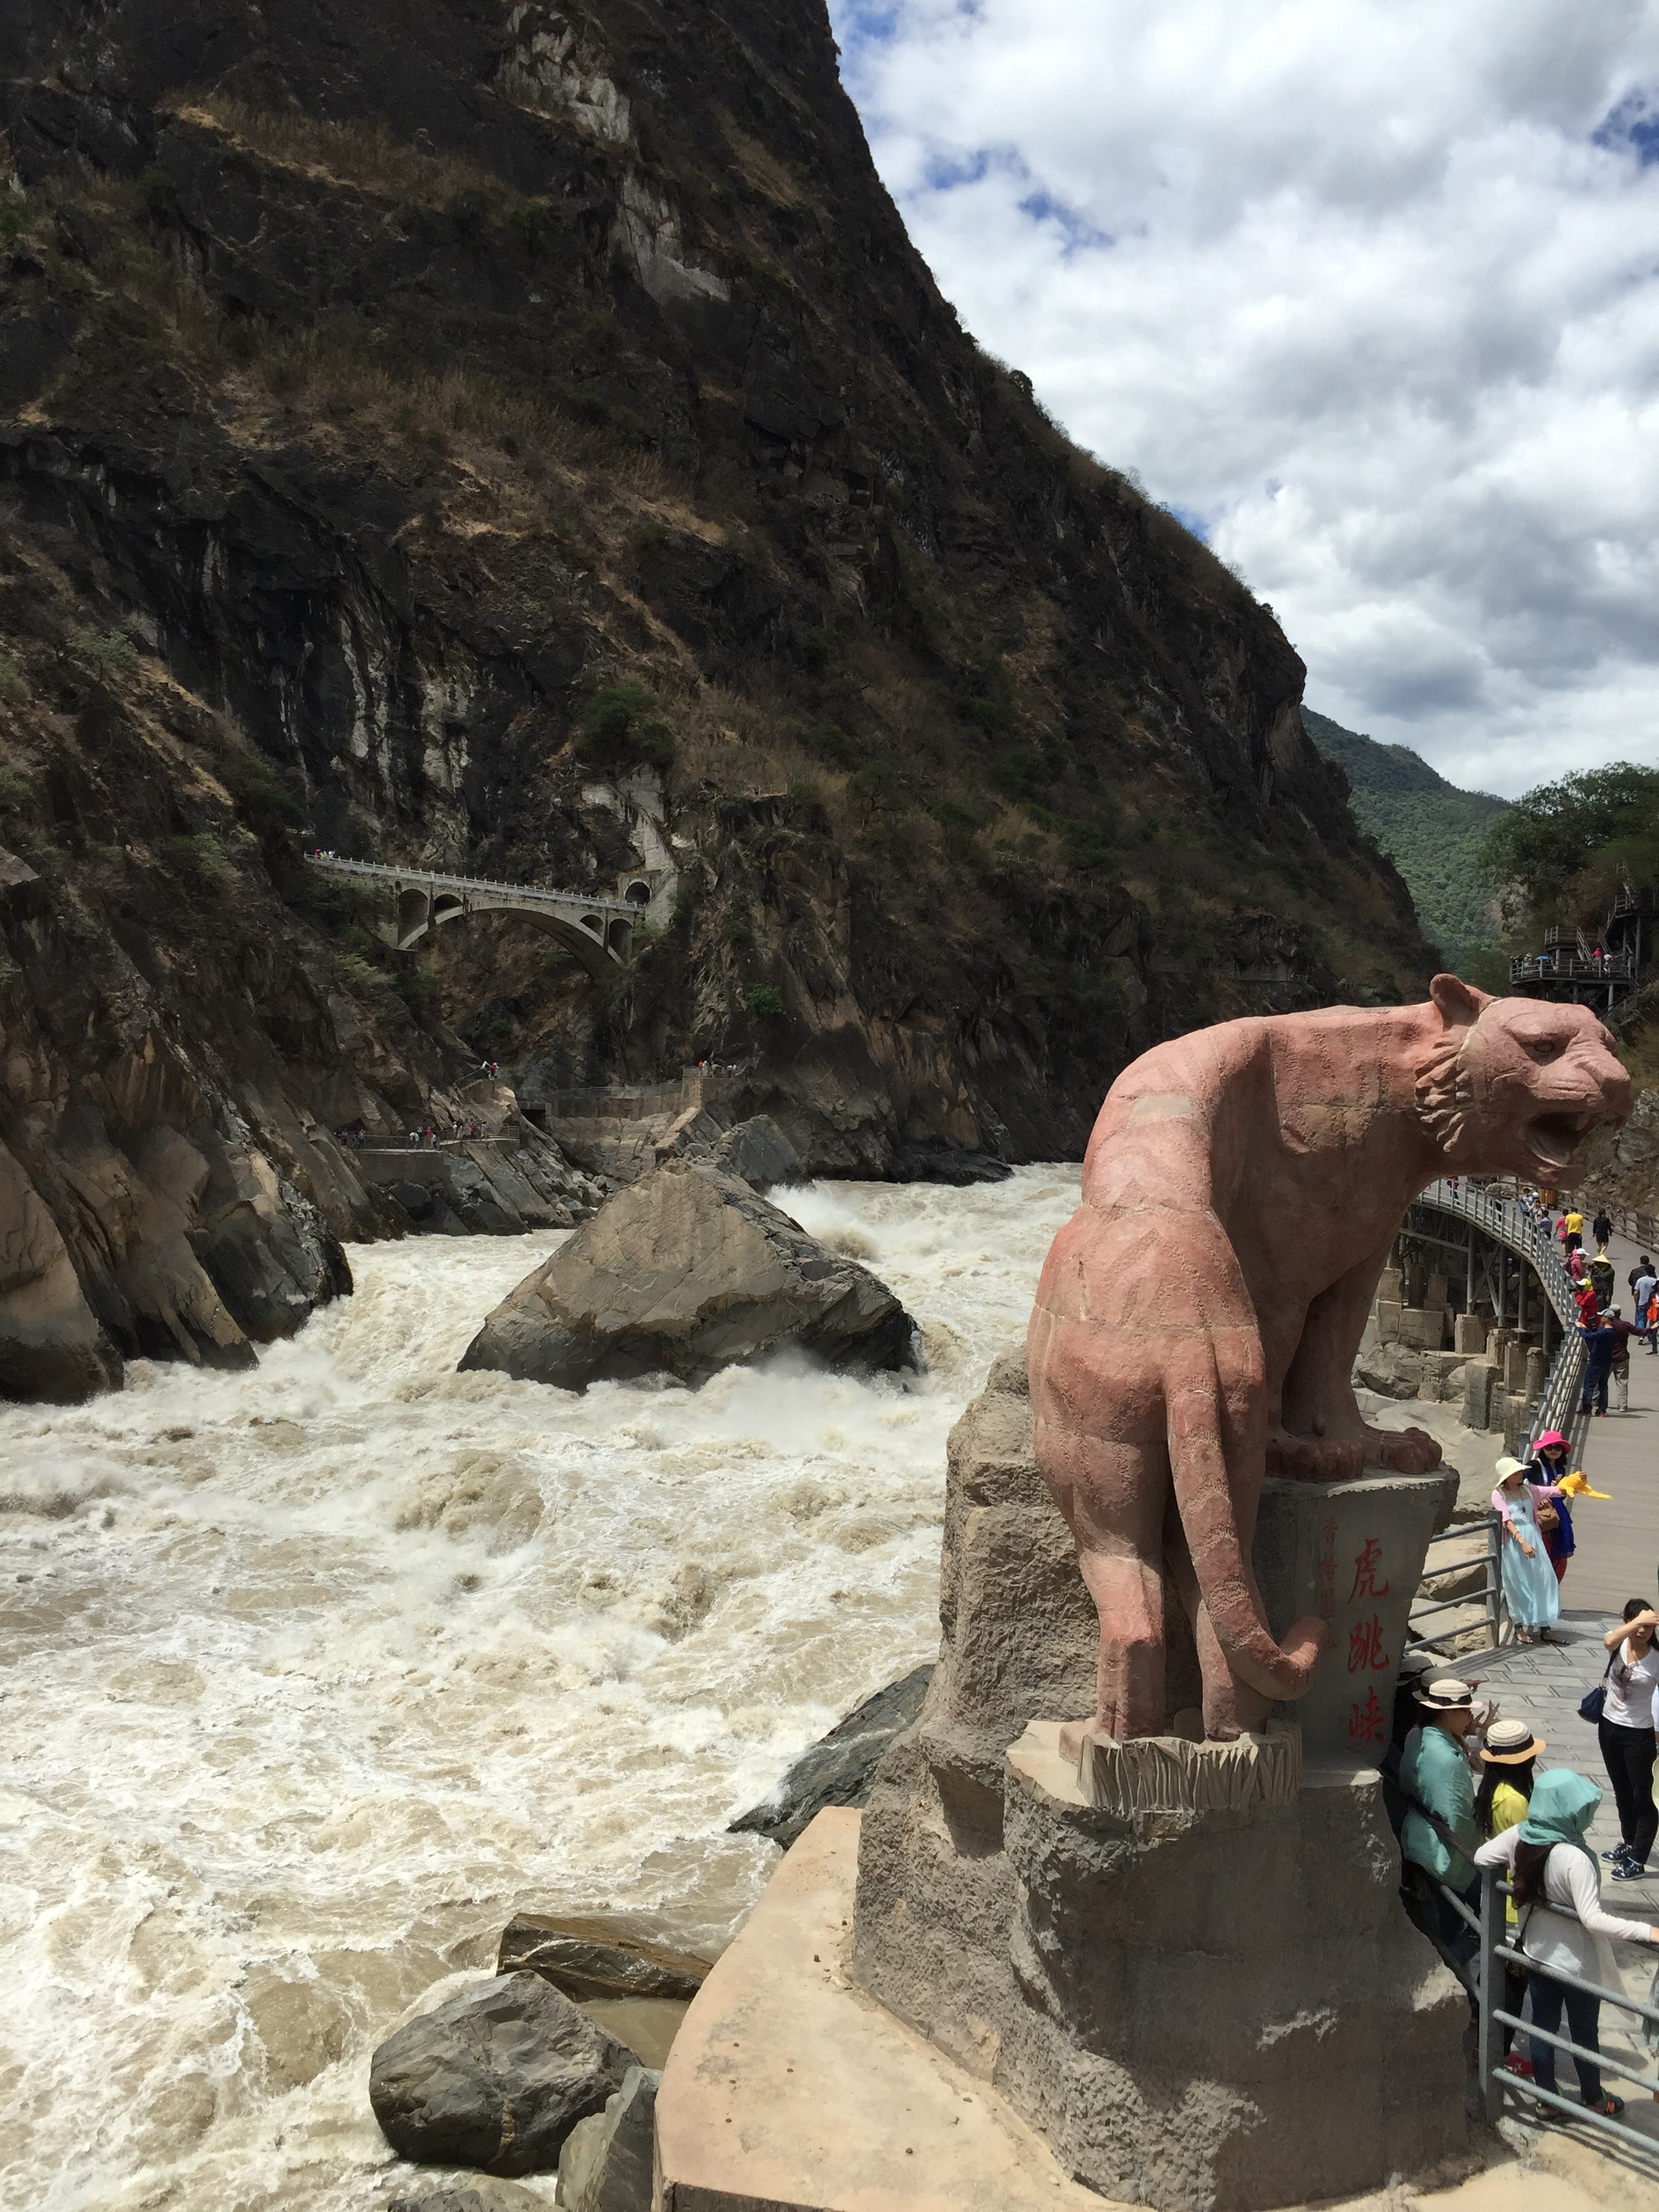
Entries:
{"x":597,"y":929}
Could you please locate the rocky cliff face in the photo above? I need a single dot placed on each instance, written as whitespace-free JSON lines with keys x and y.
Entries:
{"x":524,"y":440}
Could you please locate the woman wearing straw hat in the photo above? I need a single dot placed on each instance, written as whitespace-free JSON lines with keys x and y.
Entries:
{"x":1558,"y":1896}
{"x":1439,"y":1834}
{"x":1530,"y":1590}
{"x":1500,"y":1803}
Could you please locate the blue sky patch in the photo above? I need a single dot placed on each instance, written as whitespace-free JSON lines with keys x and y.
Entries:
{"x":1078,"y":232}
{"x":1189,"y":519}
{"x":949,"y":172}
{"x":1633,"y":126}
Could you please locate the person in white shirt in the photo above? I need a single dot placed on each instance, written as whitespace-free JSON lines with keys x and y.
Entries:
{"x":1558,"y":1900}
{"x":1626,"y":1736}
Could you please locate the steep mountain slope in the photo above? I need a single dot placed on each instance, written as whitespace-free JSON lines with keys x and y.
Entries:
{"x":524,"y":441}
{"x":1429,"y":827}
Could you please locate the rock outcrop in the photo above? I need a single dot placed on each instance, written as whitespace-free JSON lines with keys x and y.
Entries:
{"x":139,"y":1216}
{"x":598,"y":1957}
{"x":758,"y":1152}
{"x":839,"y":1768}
{"x":684,"y":1273}
{"x":606,"y":2166}
{"x":496,"y":2079}
{"x":533,"y":446}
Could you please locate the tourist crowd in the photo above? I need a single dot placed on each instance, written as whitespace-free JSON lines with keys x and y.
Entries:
{"x":1470,"y":1797}
{"x":1470,"y":1800}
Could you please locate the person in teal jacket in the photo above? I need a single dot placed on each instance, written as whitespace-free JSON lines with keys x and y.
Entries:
{"x":1435,"y":1780}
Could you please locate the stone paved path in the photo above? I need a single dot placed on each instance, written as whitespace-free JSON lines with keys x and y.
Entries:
{"x":1617,"y":1557}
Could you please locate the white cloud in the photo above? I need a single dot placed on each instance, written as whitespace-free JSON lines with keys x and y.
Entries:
{"x":1368,"y":287}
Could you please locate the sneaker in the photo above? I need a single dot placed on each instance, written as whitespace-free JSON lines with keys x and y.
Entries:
{"x":1516,"y":2064}
{"x":1617,"y":1855}
{"x":1631,"y":1870}
{"x":1608,"y":2106}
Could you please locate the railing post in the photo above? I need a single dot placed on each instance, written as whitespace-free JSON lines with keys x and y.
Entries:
{"x":1489,"y":2040}
{"x":1493,"y":1577}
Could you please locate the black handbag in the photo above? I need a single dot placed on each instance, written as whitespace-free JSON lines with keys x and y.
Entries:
{"x":1593,"y":1703}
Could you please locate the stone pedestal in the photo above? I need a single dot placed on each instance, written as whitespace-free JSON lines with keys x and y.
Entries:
{"x":1197,"y":2009}
{"x":1223,"y":2009}
{"x":1352,"y":1552}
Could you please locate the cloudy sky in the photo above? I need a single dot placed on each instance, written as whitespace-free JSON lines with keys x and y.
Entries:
{"x":1368,"y":294}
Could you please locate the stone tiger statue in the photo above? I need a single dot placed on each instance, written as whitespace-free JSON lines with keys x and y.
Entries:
{"x":1198,"y":1318}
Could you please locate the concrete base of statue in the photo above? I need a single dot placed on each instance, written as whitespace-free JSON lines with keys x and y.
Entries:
{"x":1213,"y":2000}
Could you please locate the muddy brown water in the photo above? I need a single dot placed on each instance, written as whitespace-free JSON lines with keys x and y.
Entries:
{"x":311,"y":1677}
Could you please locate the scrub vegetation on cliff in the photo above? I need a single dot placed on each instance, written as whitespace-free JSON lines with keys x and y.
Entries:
{"x":486,"y":416}
{"x":1433,"y":832}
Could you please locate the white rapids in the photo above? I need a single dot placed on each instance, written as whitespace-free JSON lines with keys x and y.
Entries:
{"x":310,"y":1677}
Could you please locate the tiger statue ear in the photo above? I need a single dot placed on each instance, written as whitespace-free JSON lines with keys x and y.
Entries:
{"x":1459,"y":1004}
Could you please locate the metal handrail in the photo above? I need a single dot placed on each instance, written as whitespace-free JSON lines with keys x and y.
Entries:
{"x":1502,"y":1218}
{"x":1496,"y":2080}
{"x":1490,"y":1592}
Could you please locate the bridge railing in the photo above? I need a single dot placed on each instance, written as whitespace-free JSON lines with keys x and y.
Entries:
{"x":431,"y":878}
{"x":1502,"y":1218}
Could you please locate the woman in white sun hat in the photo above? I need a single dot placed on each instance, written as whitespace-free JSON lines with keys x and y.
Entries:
{"x":1531,"y":1592}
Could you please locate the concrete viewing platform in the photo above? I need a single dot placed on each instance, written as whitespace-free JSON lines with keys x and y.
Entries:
{"x":789,"y":2086}
{"x":788,"y":2089}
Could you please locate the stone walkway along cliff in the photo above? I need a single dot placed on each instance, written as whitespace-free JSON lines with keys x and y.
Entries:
{"x":1617,"y":1557}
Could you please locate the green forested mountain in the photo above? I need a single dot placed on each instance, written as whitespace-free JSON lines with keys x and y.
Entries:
{"x":1432,"y":831}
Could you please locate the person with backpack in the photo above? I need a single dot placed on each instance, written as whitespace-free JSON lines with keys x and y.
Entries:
{"x":1601,"y":1228}
{"x":1561,"y":1924}
{"x":1509,"y":1754}
{"x":1619,"y":1369}
{"x":1625,"y":1734}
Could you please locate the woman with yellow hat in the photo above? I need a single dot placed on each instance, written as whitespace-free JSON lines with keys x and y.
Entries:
{"x":1509,"y":1754}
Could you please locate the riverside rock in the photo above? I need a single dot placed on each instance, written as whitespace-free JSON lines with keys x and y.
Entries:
{"x":839,"y":1768}
{"x":496,"y":2078}
{"x":686,"y":1272}
{"x":598,"y":1958}
{"x":606,"y":2163}
{"x":758,"y":1150}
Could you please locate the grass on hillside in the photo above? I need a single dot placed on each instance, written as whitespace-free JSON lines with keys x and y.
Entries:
{"x":1431,"y":830}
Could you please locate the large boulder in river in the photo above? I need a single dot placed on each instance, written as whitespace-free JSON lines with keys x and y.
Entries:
{"x":685,"y":1271}
{"x":496,"y":2078}
{"x":758,"y":1150}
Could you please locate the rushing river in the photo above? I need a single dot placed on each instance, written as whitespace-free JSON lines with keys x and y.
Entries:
{"x":309,"y":1678}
